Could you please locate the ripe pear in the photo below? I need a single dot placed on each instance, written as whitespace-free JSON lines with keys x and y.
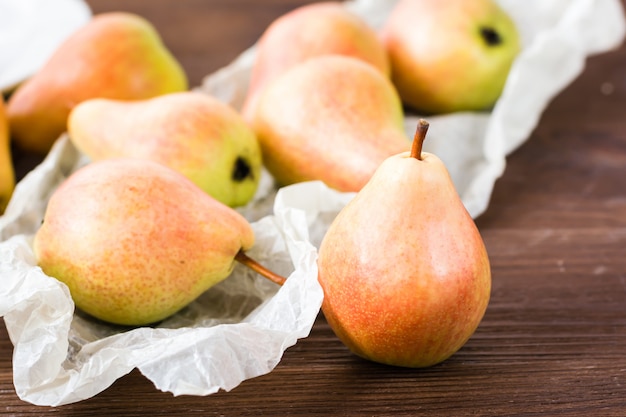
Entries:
{"x":136,"y":241}
{"x":193,"y":133}
{"x":450,"y":55}
{"x":308,"y":31}
{"x":404,"y":270}
{"x":7,"y":174}
{"x":331,"y":118}
{"x":115,"y":55}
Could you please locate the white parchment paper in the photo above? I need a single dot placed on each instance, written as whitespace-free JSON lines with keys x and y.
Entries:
{"x":240,"y":328}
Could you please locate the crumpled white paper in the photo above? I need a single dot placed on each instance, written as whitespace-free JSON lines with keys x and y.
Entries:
{"x":240,"y":328}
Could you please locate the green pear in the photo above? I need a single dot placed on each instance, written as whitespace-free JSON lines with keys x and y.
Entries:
{"x":7,"y":174}
{"x":136,"y":241}
{"x":115,"y":55}
{"x":308,"y":31}
{"x":405,"y":273}
{"x":331,"y":118}
{"x":449,"y":56}
{"x":193,"y":133}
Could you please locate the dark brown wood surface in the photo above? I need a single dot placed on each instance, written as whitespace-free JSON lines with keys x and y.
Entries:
{"x":553,"y":341}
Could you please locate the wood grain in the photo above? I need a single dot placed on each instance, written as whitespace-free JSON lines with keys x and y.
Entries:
{"x":553,"y":341}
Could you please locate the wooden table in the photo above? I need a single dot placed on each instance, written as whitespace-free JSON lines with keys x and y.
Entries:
{"x":553,"y":341}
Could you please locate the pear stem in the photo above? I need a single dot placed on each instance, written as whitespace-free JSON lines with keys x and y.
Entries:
{"x":241,"y":257}
{"x":418,"y":139}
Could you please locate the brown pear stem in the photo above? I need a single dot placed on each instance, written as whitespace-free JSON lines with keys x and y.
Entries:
{"x":241,"y":257}
{"x":418,"y":139}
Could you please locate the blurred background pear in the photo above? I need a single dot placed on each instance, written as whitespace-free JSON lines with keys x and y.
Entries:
{"x":7,"y":174}
{"x":115,"y":55}
{"x":451,"y":55}
{"x":306,"y":32}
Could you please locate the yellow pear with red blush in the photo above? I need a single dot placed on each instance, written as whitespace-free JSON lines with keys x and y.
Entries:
{"x":404,"y":270}
{"x":136,"y":241}
{"x":325,"y":28}
{"x":115,"y":55}
{"x":449,"y":56}
{"x":192,"y":132}
{"x":331,"y":118}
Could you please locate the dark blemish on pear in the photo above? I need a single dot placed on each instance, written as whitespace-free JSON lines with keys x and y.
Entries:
{"x":241,"y":170}
{"x":490,"y":36}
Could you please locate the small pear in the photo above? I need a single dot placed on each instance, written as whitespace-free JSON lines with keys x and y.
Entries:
{"x":452,"y":55}
{"x":7,"y":174}
{"x":331,"y":118}
{"x":193,"y":133}
{"x":308,"y":31}
{"x":136,"y":241}
{"x":115,"y":55}
{"x":404,"y":270}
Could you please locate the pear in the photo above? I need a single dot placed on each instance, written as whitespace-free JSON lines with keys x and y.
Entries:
{"x":331,"y":118}
{"x":308,"y":31}
{"x":193,"y":133}
{"x":404,"y":270}
{"x":136,"y":241}
{"x":449,"y":56}
{"x":7,"y":174}
{"x":115,"y":55}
